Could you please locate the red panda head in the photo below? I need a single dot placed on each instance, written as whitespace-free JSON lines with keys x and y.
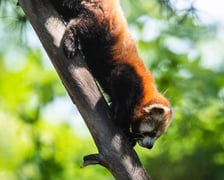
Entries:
{"x":150,"y":122}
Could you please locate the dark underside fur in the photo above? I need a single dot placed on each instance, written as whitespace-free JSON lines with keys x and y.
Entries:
{"x":119,"y":81}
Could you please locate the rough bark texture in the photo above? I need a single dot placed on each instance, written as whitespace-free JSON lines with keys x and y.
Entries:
{"x":115,"y":152}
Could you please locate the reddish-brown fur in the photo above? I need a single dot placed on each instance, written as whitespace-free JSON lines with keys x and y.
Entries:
{"x":111,"y":54}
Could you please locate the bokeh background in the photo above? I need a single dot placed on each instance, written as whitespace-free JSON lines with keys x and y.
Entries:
{"x":42,"y":135}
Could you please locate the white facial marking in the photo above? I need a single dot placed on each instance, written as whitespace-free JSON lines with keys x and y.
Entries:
{"x":146,"y":127}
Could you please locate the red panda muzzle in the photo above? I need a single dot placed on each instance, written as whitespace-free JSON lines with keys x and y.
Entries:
{"x":153,"y":121}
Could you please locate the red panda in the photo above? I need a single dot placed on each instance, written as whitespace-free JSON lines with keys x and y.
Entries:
{"x":100,"y":29}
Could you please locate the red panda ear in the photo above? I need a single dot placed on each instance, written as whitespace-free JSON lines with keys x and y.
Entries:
{"x":157,"y":110}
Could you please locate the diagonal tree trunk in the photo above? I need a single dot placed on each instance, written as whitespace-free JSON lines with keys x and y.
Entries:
{"x":115,"y":153}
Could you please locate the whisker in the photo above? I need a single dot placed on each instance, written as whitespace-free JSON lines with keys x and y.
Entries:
{"x":165,"y":91}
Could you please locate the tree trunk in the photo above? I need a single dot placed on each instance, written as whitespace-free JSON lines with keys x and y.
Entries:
{"x":115,"y":153}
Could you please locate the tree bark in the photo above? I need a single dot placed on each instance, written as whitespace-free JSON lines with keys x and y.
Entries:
{"x":115,"y":153}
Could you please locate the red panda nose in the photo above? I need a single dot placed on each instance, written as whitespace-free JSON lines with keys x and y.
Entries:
{"x":147,"y":142}
{"x":150,"y":146}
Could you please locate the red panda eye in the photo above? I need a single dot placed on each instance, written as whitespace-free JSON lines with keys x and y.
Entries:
{"x":150,"y":134}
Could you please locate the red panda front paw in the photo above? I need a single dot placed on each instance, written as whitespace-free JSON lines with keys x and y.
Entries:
{"x":69,"y":44}
{"x":131,"y":138}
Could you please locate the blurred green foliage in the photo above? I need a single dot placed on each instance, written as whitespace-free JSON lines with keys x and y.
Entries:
{"x":32,"y":148}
